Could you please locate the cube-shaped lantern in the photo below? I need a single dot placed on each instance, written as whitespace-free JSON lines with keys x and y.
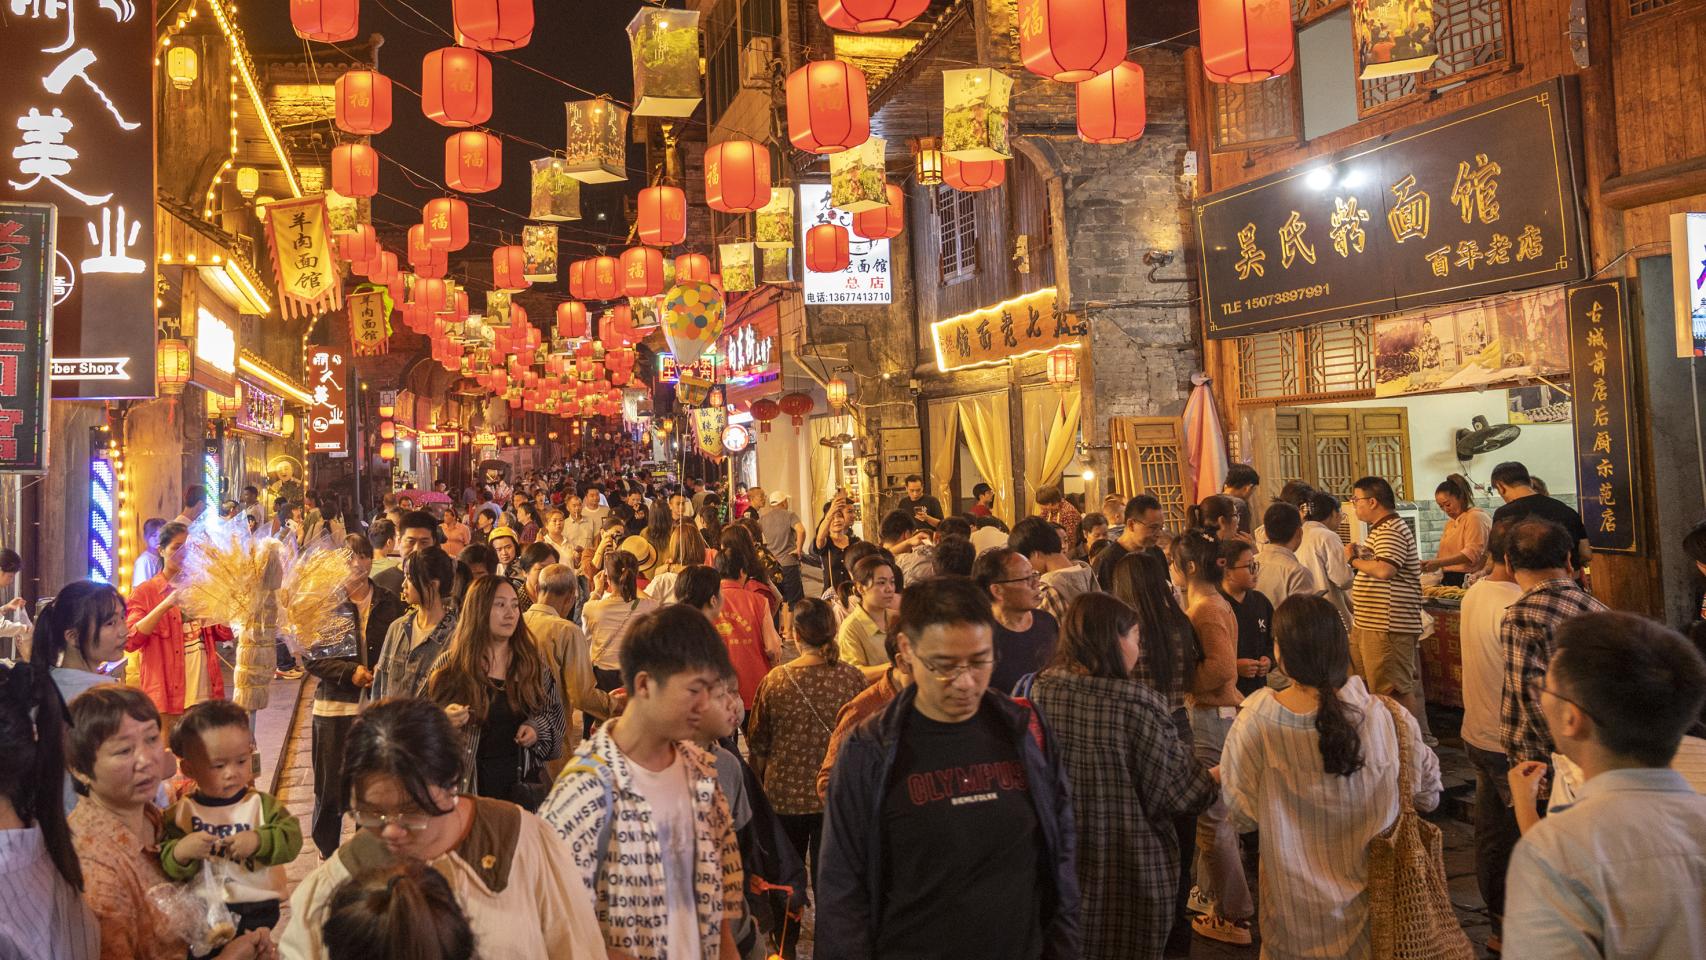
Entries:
{"x":737,"y":262}
{"x":777,"y":265}
{"x":665,"y":46}
{"x":974,"y":114}
{"x":597,"y":141}
{"x":776,"y":219}
{"x":556,"y":195}
{"x":539,"y":243}
{"x":857,"y":177}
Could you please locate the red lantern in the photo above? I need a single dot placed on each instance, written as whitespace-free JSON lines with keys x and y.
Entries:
{"x":1111,"y":107}
{"x":617,"y":328}
{"x":362,"y":104}
{"x":883,"y":223}
{"x":434,"y":268}
{"x":508,"y":266}
{"x":456,"y":87}
{"x":1245,"y":41}
{"x":796,"y":406}
{"x":355,"y":170}
{"x":663,"y":216}
{"x":431,"y":295}
{"x":836,"y":391}
{"x":571,"y":320}
{"x":473,"y":161}
{"x":765,"y":410}
{"x":493,"y":25}
{"x":828,"y":108}
{"x":1063,"y":367}
{"x":578,"y":272}
{"x":619,"y":378}
{"x":826,"y":248}
{"x":382,"y":269}
{"x":328,"y":21}
{"x":737,"y":176}
{"x":870,"y":16}
{"x":604,"y":278}
{"x":971,"y":176}
{"x":446,"y":220}
{"x":692,"y":268}
{"x":359,"y":245}
{"x":1071,"y":40}
{"x":642,"y":271}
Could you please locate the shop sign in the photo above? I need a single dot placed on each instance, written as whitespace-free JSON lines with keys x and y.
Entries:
{"x":80,"y":78}
{"x":215,"y":353}
{"x":262,"y":410}
{"x":327,"y":430}
{"x":1033,"y":323}
{"x":749,"y":351}
{"x":26,"y":324}
{"x":866,"y":278}
{"x":485,"y":439}
{"x":1601,"y":372}
{"x":708,"y":424}
{"x":1479,"y":202}
{"x":736,"y":438}
{"x":308,"y":280}
{"x":369,"y":313}
{"x":440,"y":441}
{"x":670,"y":372}
{"x":1688,"y":277}
{"x":405,"y":406}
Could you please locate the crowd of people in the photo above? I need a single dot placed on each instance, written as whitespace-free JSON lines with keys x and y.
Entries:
{"x":589,"y":715}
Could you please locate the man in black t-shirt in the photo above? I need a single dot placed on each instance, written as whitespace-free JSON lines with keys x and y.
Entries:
{"x":1522,"y":501}
{"x":1144,"y":520}
{"x":1024,"y":633}
{"x":925,"y":510}
{"x":948,"y":829}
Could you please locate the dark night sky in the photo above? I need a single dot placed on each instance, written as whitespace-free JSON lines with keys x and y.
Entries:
{"x":583,"y":43}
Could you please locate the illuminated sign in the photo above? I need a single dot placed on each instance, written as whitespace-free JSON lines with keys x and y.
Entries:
{"x":103,"y":515}
{"x":447,"y":441}
{"x":705,"y":368}
{"x":1688,"y":277}
{"x":327,"y":430}
{"x":736,"y":438}
{"x":215,"y":353}
{"x":867,"y":278}
{"x":262,"y":410}
{"x":26,"y":323}
{"x":1606,"y":424}
{"x":485,"y":440}
{"x":1025,"y":325}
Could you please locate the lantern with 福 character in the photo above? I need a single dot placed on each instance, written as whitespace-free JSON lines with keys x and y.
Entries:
{"x":776,"y":219}
{"x":597,"y":140}
{"x":355,"y":170}
{"x":171,"y":366}
{"x":737,"y":176}
{"x":494,"y":25}
{"x":927,"y":161}
{"x":420,"y":252}
{"x":665,"y":47}
{"x":1393,"y":37}
{"x":604,"y":278}
{"x":361,"y":102}
{"x":1071,"y":40}
{"x":1063,"y":367}
{"x":829,"y":108}
{"x":456,"y":87}
{"x":856,"y":177}
{"x":662,"y":217}
{"x":539,"y":249}
{"x":692,"y":268}
{"x":796,"y":406}
{"x":970,"y":176}
{"x":473,"y":161}
{"x":827,"y":248}
{"x":974,"y":114}
{"x":328,"y":21}
{"x":446,"y":221}
{"x":870,"y":16}
{"x":509,"y":268}
{"x":1245,"y":41}
{"x":765,"y":410}
{"x":885,"y":222}
{"x":642,"y":272}
{"x":359,"y":245}
{"x":737,"y":266}
{"x":555,"y":195}
{"x":1111,"y":107}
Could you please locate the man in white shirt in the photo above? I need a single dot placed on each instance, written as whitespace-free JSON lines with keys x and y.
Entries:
{"x":566,"y":647}
{"x":1279,"y":575}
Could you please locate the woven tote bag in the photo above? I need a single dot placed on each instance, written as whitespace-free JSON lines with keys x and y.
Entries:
{"x":1409,"y":904}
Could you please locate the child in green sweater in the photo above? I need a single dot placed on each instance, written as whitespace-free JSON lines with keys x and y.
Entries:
{"x":246,"y":834}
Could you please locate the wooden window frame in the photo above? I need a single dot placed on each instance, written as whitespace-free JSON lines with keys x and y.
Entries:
{"x":1358,"y":434}
{"x":956,"y":211}
{"x":1429,"y":82}
{"x":1303,"y":354}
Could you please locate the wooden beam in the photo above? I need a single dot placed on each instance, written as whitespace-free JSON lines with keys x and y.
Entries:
{"x":1673,"y":181}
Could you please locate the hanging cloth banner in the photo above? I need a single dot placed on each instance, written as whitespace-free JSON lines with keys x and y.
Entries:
{"x":369,"y":320}
{"x":709,"y":423}
{"x":308,"y":282}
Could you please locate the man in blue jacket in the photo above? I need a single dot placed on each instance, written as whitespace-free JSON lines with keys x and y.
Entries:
{"x":948,"y":831}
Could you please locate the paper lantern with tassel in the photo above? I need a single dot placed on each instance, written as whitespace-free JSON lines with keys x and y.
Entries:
{"x":456,"y":87}
{"x":975,"y":105}
{"x":1111,"y":107}
{"x":827,"y":248}
{"x":492,"y":25}
{"x":328,"y":21}
{"x":473,"y":161}
{"x":765,"y":410}
{"x":571,"y":320}
{"x":1063,"y":367}
{"x":885,"y":222}
{"x":665,"y":47}
{"x":446,"y":220}
{"x":870,"y":16}
{"x":1071,"y":40}
{"x":509,"y":268}
{"x":597,"y":139}
{"x":796,"y":406}
{"x":1246,"y":41}
{"x":972,"y":176}
{"x":361,"y":102}
{"x":856,"y":177}
{"x":642,"y":272}
{"x":835,"y":390}
{"x":829,"y":108}
{"x":662,"y":218}
{"x":355,"y":170}
{"x":737,"y":176}
{"x":692,"y":268}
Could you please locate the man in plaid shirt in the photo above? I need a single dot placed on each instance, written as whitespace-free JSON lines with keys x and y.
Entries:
{"x":1539,"y":556}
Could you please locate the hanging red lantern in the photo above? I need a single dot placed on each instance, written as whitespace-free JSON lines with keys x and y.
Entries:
{"x":1071,"y":40}
{"x":619,"y":378}
{"x":870,"y":16}
{"x":362,"y":102}
{"x":604,"y":278}
{"x":355,"y":170}
{"x":493,"y":25}
{"x":446,"y":220}
{"x":1111,"y":107}
{"x":796,"y":406}
{"x":642,"y":272}
{"x":508,"y":266}
{"x":432,"y":295}
{"x":1245,"y":41}
{"x":456,"y":87}
{"x":382,"y":269}
{"x":328,"y":21}
{"x":971,"y":176}
{"x":692,"y":268}
{"x":885,"y":222}
{"x":578,"y":273}
{"x":359,"y":245}
{"x":420,"y":251}
{"x":737,"y":176}
{"x":826,"y":248}
{"x":663,"y":215}
{"x":1063,"y":367}
{"x":765,"y":410}
{"x":571,"y":320}
{"x":828,"y":108}
{"x":473,"y":161}
{"x":616,"y":330}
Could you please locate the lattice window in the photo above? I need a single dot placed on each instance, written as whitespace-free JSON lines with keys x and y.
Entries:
{"x":1147,"y":452}
{"x":1330,"y":447}
{"x":1638,"y":7}
{"x":1384,"y":457}
{"x":956,"y":214}
{"x":1250,"y":115}
{"x":1333,"y":466}
{"x":1267,"y":365}
{"x":1305,"y":12}
{"x":1473,"y":38}
{"x":1340,"y":356}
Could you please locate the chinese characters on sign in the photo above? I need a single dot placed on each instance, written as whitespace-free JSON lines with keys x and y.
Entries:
{"x":80,"y":112}
{"x":440,"y":441}
{"x":705,"y":368}
{"x":1479,"y":202}
{"x":262,"y":410}
{"x":308,"y":280}
{"x":1605,"y":459}
{"x":26,"y":322}
{"x":327,"y":430}
{"x":369,"y":326}
{"x":866,"y":278}
{"x":1025,"y":325}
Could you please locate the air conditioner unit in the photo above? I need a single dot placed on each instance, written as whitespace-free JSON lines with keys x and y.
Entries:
{"x":757,"y":63}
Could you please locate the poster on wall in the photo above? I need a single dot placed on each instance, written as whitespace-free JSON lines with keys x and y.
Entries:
{"x":866,"y":279}
{"x":1472,"y":345}
{"x":1688,"y":278}
{"x":327,"y":430}
{"x":26,"y":323}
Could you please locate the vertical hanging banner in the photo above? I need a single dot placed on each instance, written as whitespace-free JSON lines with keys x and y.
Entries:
{"x":369,"y":320}
{"x":26,"y":324}
{"x":709,"y":423}
{"x":1601,"y":372}
{"x":308,"y":281}
{"x":327,"y":430}
{"x":78,"y":132}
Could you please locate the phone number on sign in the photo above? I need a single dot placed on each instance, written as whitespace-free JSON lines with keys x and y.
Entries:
{"x":847,"y":298}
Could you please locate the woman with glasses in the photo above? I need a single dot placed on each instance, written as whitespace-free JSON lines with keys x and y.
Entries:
{"x":517,"y":886}
{"x":1255,"y":615}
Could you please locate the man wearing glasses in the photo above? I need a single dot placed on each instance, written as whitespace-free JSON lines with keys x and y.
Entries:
{"x":1024,"y":633}
{"x":948,"y":830}
{"x":1144,"y":519}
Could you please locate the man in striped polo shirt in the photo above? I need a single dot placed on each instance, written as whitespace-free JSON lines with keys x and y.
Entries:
{"x":1386,"y":599}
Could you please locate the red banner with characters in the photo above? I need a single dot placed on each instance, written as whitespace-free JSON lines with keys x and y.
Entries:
{"x":26,"y":323}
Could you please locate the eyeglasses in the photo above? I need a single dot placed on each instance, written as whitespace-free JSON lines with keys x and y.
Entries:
{"x":948,"y":673}
{"x":1252,"y":566}
{"x":1032,"y":577}
{"x":377,"y":822}
{"x":1537,"y":686}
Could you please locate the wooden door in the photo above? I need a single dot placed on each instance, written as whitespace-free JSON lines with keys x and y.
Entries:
{"x":1149,"y":457}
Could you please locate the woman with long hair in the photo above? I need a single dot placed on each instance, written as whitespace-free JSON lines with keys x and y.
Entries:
{"x":1314,"y":767}
{"x":709,"y":519}
{"x":686,"y":549}
{"x":1221,"y":514}
{"x":494,"y":685}
{"x":701,"y":588}
{"x":834,"y":536}
{"x":746,"y":622}
{"x":1131,"y":777}
{"x":616,"y":603}
{"x":659,"y":525}
{"x":76,"y":632}
{"x":741,"y":557}
{"x":1463,"y":543}
{"x":415,"y":640}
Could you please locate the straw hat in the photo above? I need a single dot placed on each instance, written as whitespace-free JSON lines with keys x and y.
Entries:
{"x":644,"y":552}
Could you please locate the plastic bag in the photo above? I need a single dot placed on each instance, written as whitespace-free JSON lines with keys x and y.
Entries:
{"x":195,"y":912}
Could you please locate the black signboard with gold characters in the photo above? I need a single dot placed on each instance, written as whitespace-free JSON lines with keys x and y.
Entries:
{"x":1602,"y":377}
{"x":1479,"y":202}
